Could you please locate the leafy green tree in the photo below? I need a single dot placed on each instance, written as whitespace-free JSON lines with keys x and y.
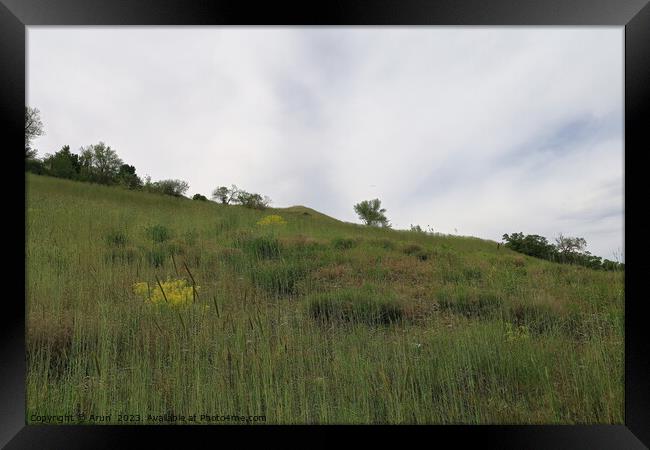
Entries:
{"x":99,"y":163}
{"x":371,"y":213}
{"x":531,"y":244}
{"x":175,"y":188}
{"x":254,"y":201}
{"x":203,"y":198}
{"x":35,"y":165}
{"x":126,"y":176}
{"x":63,"y":164}
{"x":33,"y":129}
{"x":569,"y":246}
{"x":225,"y":195}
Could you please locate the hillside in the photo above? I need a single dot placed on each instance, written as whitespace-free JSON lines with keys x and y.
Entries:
{"x":312,"y":321}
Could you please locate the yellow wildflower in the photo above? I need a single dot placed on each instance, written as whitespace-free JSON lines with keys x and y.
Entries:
{"x":173,"y":293}
{"x":272,"y":220}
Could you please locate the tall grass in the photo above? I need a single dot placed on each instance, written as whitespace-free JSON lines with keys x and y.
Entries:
{"x":317,"y":321}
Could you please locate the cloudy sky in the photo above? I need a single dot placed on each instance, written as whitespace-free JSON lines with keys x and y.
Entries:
{"x":473,"y":131}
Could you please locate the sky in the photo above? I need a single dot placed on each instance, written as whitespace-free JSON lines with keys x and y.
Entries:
{"x":475,"y":131}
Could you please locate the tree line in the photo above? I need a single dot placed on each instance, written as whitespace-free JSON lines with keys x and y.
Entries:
{"x":566,"y":250}
{"x":99,"y":163}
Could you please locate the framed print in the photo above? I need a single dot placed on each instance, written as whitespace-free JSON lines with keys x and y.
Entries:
{"x":310,"y":217}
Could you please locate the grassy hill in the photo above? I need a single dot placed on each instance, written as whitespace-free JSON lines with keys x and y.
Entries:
{"x":312,"y":321}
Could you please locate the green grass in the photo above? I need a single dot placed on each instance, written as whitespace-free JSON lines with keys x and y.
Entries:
{"x":315,"y":321}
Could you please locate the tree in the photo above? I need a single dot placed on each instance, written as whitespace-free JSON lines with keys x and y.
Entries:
{"x":371,"y":213}
{"x":63,"y":164}
{"x":176,"y":188}
{"x":255,"y":201}
{"x":225,"y":195}
{"x":99,"y":163}
{"x":203,"y":198}
{"x":126,"y":176}
{"x":33,"y":129}
{"x":531,"y":244}
{"x":567,"y":245}
{"x":568,"y":250}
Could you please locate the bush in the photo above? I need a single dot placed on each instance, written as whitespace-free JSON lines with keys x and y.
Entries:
{"x":175,"y":188}
{"x":417,"y":251}
{"x":356,"y":306}
{"x":344,"y":243}
{"x":200,"y":197}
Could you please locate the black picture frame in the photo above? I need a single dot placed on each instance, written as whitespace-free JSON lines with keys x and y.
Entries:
{"x":634,"y":15}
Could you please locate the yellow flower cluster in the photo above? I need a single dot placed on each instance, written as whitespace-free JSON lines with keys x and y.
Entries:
{"x":176,"y":292}
{"x":272,"y":220}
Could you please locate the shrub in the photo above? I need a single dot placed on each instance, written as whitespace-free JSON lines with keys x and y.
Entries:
{"x":158,"y":233}
{"x":344,"y":243}
{"x":175,"y":188}
{"x":356,"y":306}
{"x":200,"y":197}
{"x":417,"y":251}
